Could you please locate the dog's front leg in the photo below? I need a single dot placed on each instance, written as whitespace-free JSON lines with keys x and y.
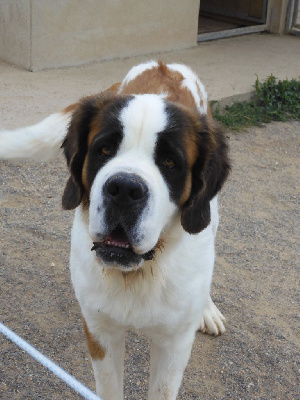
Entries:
{"x":107,"y":350}
{"x":212,"y":320}
{"x":169,"y":357}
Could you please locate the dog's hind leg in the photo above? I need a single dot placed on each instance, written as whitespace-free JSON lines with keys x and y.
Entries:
{"x":212,"y":320}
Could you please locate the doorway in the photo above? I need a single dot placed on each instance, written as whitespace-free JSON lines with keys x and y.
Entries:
{"x":223,"y":18}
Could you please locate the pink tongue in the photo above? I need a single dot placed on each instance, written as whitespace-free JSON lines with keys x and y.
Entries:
{"x":117,"y":241}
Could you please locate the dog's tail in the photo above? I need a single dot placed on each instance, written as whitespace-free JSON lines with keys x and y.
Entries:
{"x":39,"y":142}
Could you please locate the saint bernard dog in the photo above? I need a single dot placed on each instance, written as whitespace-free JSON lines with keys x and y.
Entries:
{"x":146,"y":162}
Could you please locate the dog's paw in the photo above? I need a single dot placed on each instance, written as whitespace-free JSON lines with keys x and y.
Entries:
{"x":212,"y":320}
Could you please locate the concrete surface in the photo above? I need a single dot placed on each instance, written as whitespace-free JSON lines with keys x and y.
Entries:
{"x":227,"y":68}
{"x":38,"y":34}
{"x":256,"y":280}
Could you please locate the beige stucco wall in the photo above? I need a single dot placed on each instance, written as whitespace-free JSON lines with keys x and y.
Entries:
{"x":40,"y":33}
{"x":298,"y":14}
{"x":15,"y":32}
{"x":277,"y":12}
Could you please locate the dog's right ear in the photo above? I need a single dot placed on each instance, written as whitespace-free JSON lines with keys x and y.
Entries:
{"x":209,"y":173}
{"x":75,"y":145}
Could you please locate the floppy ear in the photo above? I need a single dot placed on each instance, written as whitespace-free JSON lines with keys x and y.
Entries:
{"x":75,"y":145}
{"x":208,"y":175}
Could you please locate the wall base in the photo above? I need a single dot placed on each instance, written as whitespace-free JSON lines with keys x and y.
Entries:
{"x":39,"y":34}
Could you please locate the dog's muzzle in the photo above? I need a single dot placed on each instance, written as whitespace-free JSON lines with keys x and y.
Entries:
{"x":125,"y":196}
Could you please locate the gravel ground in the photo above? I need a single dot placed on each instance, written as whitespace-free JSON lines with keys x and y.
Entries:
{"x":256,"y":281}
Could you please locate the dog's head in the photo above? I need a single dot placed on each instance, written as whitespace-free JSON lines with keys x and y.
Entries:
{"x":137,"y":163}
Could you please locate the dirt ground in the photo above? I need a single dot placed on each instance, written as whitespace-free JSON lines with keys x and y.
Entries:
{"x":256,"y":281}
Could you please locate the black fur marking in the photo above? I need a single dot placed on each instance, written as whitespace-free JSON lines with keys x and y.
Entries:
{"x":118,"y":255}
{"x":125,"y":257}
{"x":75,"y":144}
{"x":170,"y":146}
{"x":149,"y":256}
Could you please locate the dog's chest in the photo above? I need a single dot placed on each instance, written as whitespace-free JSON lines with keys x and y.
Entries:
{"x":164,"y":292}
{"x":138,"y":299}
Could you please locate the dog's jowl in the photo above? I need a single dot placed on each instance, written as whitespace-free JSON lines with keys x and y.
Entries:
{"x":146,"y":162}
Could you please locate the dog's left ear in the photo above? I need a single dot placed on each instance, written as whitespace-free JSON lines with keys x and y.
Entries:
{"x":208,"y":175}
{"x":75,"y":145}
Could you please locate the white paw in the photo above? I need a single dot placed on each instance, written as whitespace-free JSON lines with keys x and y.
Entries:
{"x":212,"y":320}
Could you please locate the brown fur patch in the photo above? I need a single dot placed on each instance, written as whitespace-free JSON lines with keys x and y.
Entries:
{"x":161,"y":80}
{"x":191,"y":148}
{"x":71,"y":107}
{"x":95,"y":349}
{"x":84,"y":174}
{"x":187,"y":189}
{"x":94,"y":130}
{"x":113,"y":88}
{"x":159,"y":245}
{"x":84,"y":177}
{"x":131,"y":276}
{"x":209,"y":114}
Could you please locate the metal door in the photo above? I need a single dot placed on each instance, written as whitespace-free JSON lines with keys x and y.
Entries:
{"x":249,"y":10}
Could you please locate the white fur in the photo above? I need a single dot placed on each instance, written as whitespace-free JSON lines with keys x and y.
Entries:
{"x":40,"y":142}
{"x":193,"y":84}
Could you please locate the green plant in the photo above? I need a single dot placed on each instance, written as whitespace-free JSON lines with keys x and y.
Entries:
{"x":274,"y":101}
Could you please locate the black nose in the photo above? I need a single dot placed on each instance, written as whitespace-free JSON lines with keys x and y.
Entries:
{"x":126,"y":189}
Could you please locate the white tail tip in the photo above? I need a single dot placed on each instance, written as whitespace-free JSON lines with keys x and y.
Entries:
{"x":39,"y":142}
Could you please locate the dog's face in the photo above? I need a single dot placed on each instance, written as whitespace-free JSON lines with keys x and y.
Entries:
{"x":138,"y":163}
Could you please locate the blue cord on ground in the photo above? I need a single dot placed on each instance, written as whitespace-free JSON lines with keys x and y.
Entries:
{"x":62,"y":374}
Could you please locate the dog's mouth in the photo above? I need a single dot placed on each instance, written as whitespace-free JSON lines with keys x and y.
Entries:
{"x":118,"y":238}
{"x":116,"y":248}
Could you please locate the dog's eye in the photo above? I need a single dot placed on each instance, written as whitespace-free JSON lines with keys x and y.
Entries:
{"x":105,"y":151}
{"x":168,"y":162}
